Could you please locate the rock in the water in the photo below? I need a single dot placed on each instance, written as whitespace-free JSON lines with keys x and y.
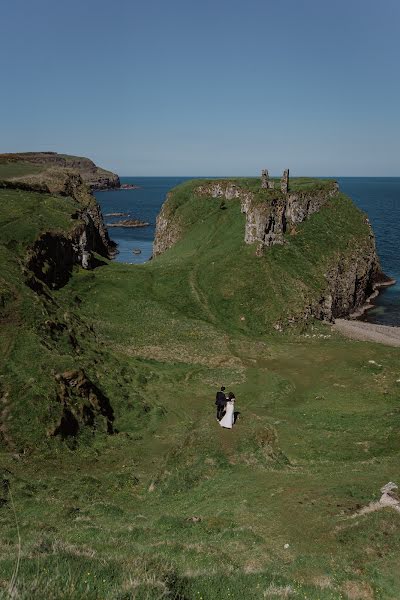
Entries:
{"x":129,"y":223}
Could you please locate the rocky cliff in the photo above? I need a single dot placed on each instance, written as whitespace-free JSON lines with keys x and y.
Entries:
{"x":270,"y":215}
{"x":168,"y":228}
{"x":351,"y":279}
{"x":272,"y":218}
{"x":46,"y":231}
{"x":31,"y":163}
{"x":51,"y":257}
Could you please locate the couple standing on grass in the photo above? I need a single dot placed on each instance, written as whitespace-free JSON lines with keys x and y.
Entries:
{"x":225,"y":408}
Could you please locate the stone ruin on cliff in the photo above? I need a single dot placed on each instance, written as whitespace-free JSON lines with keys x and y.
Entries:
{"x":267,"y":184}
{"x":268,"y":221}
{"x":285,"y":181}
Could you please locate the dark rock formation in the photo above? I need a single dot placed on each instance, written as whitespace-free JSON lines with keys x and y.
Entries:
{"x":53,"y":255}
{"x":351,"y":279}
{"x":83,"y":404}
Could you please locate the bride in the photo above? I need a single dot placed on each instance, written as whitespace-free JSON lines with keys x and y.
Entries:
{"x":228,"y":418}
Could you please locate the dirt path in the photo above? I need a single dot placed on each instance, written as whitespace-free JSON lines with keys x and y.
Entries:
{"x":369,"y":332}
{"x":200,"y":296}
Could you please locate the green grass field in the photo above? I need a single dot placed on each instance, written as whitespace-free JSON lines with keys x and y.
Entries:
{"x":172,"y":506}
{"x":10,"y":170}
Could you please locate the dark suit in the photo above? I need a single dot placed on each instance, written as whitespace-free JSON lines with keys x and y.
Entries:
{"x":220,"y":401}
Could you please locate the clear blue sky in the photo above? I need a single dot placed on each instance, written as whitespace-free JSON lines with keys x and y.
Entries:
{"x":174,"y":87}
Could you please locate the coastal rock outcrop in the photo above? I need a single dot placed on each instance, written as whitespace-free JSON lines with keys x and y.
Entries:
{"x":52,"y":256}
{"x":168,"y":229}
{"x":351,"y":279}
{"x":272,"y":215}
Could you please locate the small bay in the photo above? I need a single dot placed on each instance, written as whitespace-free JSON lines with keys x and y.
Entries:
{"x":143,"y":203}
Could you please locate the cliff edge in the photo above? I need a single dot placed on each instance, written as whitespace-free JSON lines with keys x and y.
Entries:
{"x":40,"y":166}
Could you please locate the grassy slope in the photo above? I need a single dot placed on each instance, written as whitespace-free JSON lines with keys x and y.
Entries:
{"x":18,"y":165}
{"x":317,"y":436}
{"x":9,"y":170}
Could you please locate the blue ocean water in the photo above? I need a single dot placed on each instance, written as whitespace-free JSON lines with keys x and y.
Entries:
{"x":379,"y":197}
{"x":143,"y":203}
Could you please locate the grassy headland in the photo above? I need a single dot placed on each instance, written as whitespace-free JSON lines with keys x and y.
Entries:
{"x":171,"y":506}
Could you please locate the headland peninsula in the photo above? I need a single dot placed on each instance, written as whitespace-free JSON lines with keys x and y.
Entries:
{"x":117,"y":481}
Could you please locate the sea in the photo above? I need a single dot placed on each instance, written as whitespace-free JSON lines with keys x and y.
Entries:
{"x":379,"y":197}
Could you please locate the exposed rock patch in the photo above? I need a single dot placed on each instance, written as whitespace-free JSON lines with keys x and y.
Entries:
{"x":83,"y":404}
{"x":52,"y":256}
{"x":168,"y":229}
{"x":268,"y":219}
{"x":389,"y":499}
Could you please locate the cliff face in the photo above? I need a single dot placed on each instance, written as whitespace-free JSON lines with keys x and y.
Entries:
{"x":168,"y":230}
{"x":350,"y":275}
{"x":52,"y":256}
{"x":350,"y":281}
{"x":92,"y":175}
{"x":267,"y":221}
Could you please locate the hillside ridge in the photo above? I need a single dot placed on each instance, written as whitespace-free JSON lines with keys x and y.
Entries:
{"x":33,"y":167}
{"x":272,"y":218}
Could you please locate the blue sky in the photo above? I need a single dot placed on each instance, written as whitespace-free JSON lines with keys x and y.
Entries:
{"x":205,"y":88}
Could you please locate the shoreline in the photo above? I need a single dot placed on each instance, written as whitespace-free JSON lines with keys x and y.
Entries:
{"x":368,"y":332}
{"x":376,"y":287}
{"x":353,"y":327}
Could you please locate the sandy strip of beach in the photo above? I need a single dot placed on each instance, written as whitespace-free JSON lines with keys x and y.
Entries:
{"x":369,"y":332}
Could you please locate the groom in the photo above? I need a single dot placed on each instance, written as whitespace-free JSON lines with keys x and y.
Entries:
{"x":220,"y":401}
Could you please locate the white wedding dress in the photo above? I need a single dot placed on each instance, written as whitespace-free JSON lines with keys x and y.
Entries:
{"x":228,"y":418}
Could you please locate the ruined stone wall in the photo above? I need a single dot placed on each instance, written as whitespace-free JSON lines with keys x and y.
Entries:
{"x":267,"y":221}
